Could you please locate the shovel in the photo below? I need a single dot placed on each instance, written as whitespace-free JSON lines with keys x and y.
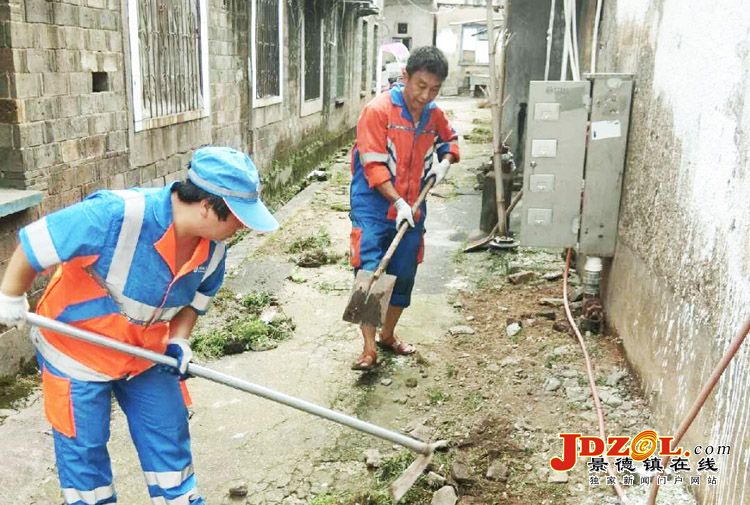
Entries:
{"x":371,"y":294}
{"x":398,"y":488}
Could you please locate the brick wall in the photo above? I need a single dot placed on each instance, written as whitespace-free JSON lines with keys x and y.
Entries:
{"x":61,"y":137}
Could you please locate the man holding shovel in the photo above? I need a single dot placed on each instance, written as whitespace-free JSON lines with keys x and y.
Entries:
{"x":397,"y":135}
{"x":137,"y":266}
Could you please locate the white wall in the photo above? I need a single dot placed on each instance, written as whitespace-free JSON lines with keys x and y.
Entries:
{"x":680,"y":282}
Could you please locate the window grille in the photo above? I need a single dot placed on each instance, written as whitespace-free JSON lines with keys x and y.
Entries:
{"x":403,"y":28}
{"x":170,"y":59}
{"x":268,"y":49}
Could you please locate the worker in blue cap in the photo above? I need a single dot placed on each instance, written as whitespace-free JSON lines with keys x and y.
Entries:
{"x":138,"y":266}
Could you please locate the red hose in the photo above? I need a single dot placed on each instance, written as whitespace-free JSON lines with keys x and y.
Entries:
{"x":590,"y":372}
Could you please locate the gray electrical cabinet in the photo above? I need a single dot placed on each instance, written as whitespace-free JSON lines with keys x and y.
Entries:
{"x":575,"y":157}
{"x":611,"y":95}
{"x":555,"y":150}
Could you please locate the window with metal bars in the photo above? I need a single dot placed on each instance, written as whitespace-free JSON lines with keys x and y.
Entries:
{"x":267,"y":49}
{"x":168,"y":67}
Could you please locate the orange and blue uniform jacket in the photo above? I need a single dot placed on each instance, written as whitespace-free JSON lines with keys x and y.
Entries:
{"x":392,"y":146}
{"x":116,"y":275}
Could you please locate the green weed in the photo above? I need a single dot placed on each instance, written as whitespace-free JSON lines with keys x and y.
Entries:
{"x":436,"y":396}
{"x":240,"y":327}
{"x":320,"y":240}
{"x":257,"y":301}
{"x":326,"y":499}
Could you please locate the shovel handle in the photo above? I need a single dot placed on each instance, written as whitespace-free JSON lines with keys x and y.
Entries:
{"x":402,"y":231}
{"x":207,"y":373}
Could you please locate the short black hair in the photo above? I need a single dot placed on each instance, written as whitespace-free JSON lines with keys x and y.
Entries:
{"x":188,"y":192}
{"x":430,"y":59}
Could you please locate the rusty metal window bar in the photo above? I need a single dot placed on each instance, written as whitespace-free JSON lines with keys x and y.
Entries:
{"x":375,"y":62}
{"x":341,"y":52}
{"x":169,"y":61}
{"x":312,"y":58}
{"x":365,"y":53}
{"x":267,"y":36}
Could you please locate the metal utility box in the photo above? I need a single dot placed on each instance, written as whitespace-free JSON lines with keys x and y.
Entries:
{"x":555,"y":150}
{"x":611,"y":97}
{"x":567,"y":204}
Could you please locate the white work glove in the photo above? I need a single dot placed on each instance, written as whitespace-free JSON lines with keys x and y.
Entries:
{"x":13,"y":310}
{"x":438,"y":171}
{"x":179,"y":348}
{"x":403,"y":213}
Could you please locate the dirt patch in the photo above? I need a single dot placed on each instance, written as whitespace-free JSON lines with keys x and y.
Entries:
{"x":488,"y":391}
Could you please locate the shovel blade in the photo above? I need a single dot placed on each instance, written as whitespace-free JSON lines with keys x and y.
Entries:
{"x":368,"y":301}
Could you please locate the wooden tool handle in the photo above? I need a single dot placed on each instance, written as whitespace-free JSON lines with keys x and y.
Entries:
{"x":402,"y":231}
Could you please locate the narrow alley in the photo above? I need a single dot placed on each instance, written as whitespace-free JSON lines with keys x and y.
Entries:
{"x":499,"y":396}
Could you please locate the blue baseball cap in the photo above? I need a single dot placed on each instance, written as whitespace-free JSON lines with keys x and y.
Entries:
{"x":232,"y":175}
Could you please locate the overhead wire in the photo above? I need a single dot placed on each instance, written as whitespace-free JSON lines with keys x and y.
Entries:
{"x":595,"y":36}
{"x":550,"y":29}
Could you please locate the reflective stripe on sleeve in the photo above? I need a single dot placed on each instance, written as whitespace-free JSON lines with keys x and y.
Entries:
{"x":91,"y":497}
{"x":366,"y":158}
{"x":41,"y":243}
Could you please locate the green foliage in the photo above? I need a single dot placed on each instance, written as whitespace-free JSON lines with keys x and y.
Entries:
{"x":312,"y":251}
{"x":15,"y":388}
{"x":394,"y":466}
{"x":340,"y":206}
{"x":450,"y":371}
{"x":436,"y":396}
{"x":326,"y":499}
{"x":320,"y":240}
{"x":242,"y":328}
{"x":257,"y":301}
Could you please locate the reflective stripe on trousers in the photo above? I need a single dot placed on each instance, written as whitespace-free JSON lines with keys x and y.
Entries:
{"x":158,"y":422}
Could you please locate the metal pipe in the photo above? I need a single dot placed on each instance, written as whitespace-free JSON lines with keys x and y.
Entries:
{"x":206,"y":373}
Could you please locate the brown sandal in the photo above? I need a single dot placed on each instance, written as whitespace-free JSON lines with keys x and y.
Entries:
{"x":396,"y":346}
{"x":366,"y":361}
